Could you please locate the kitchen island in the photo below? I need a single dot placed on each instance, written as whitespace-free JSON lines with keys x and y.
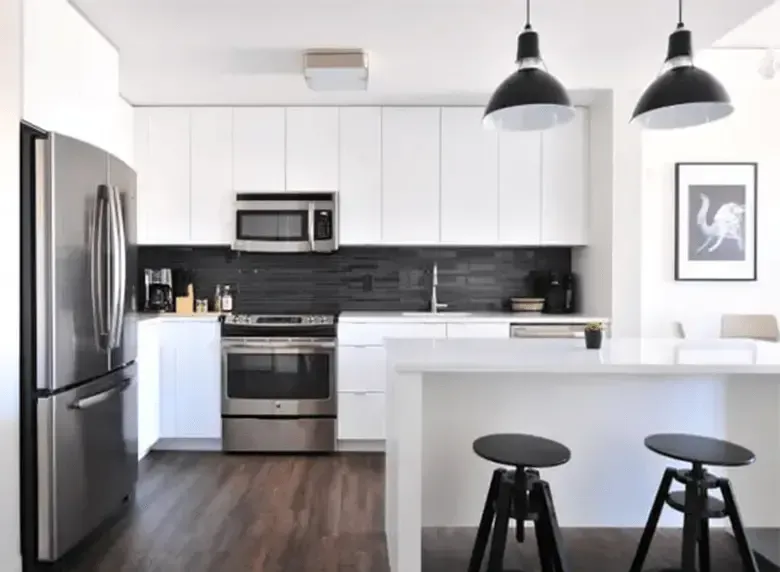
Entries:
{"x":442,"y":394}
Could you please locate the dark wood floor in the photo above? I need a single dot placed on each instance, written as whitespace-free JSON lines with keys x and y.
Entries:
{"x":198,"y":512}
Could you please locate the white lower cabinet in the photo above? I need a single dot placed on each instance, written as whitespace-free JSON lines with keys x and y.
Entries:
{"x":486,"y":330}
{"x":148,"y":386}
{"x":361,"y":416}
{"x":361,"y":369}
{"x":190,"y":380}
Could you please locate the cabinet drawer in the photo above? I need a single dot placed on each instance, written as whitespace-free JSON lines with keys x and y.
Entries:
{"x":361,"y":369}
{"x":352,"y":334}
{"x":361,"y":416}
{"x":478,"y":330}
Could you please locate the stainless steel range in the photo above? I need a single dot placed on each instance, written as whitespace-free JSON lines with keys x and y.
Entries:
{"x":278,"y":383}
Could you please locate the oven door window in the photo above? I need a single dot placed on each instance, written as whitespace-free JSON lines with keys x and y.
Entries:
{"x":279,"y":376}
{"x":280,"y":226}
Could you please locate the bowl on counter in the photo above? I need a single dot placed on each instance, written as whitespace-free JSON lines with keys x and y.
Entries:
{"x":526,"y":304}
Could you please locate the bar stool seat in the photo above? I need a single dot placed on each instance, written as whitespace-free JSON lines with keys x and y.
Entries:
{"x":521,"y":450}
{"x":699,"y":449}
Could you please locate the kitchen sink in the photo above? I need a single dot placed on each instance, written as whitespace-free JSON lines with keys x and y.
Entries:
{"x":452,"y":314}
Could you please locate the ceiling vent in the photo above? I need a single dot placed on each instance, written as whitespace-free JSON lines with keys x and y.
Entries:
{"x":336,"y":70}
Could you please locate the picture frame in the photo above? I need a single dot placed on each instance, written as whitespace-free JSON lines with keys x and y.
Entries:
{"x":716,"y":222}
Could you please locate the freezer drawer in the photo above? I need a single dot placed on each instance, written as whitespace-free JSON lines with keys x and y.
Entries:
{"x":87,"y":458}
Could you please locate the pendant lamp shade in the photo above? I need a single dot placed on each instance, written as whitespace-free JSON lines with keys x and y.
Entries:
{"x":530,"y":99}
{"x":683,"y":95}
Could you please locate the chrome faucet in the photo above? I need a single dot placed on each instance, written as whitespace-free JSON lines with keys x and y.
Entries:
{"x":435,"y":305}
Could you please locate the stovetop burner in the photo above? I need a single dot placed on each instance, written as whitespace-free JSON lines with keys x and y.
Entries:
{"x":279,"y":320}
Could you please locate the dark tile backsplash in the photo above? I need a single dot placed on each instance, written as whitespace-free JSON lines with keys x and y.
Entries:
{"x":361,"y":278}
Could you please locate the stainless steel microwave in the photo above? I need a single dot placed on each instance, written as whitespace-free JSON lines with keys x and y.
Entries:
{"x":286,"y":222}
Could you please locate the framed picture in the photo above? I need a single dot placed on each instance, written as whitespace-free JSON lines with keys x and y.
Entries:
{"x":715,"y":221}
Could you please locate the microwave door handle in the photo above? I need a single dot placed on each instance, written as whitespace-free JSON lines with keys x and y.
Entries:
{"x":311,"y":227}
{"x":97,"y":267}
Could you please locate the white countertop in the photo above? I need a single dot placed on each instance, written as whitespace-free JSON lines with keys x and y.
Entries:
{"x":569,"y":356}
{"x":453,"y":317}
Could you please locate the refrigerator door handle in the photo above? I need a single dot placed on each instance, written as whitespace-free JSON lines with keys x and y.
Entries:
{"x":118,"y":267}
{"x":92,"y":400}
{"x":97,"y":268}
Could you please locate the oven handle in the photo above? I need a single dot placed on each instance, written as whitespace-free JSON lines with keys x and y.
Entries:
{"x":248,"y":347}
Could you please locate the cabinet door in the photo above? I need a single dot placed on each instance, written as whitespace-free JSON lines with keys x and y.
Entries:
{"x":468,"y":330}
{"x":410,"y":175}
{"x":360,"y":175}
{"x":211,"y":196}
{"x":361,"y":416}
{"x":198,"y":405}
{"x":565,"y":182}
{"x":361,"y":369}
{"x":168,"y":380}
{"x":258,"y":149}
{"x":520,"y":187}
{"x":469,"y":178}
{"x":312,"y":148}
{"x":164,"y":189}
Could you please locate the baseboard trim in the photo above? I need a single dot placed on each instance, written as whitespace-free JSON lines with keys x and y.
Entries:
{"x":188,"y":445}
{"x":360,"y":446}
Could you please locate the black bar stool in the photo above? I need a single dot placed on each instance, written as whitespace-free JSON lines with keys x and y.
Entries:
{"x":522,"y":495}
{"x":694,"y":502}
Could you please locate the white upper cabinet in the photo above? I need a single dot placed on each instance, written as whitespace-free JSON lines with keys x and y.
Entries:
{"x":211,"y":168}
{"x":520,"y":188}
{"x":163,"y":162}
{"x":410,"y":175}
{"x":312,"y":148}
{"x":469,"y":178}
{"x":565,"y":182}
{"x":360,"y":175}
{"x":259,"y":149}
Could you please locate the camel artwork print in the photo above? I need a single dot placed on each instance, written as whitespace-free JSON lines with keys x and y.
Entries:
{"x":715,"y":221}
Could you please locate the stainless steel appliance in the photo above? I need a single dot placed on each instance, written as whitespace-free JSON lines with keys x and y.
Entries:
{"x":79,"y":404}
{"x":286,"y":222}
{"x":278,"y":383}
{"x":158,"y":284}
{"x":547,"y":330}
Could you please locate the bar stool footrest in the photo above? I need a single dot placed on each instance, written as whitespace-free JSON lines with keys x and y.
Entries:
{"x":715,"y":508}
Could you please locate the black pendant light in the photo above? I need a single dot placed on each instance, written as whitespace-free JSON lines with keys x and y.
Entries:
{"x":683,"y":95}
{"x":530,"y":99}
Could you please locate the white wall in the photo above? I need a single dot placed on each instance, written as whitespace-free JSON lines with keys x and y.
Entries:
{"x":751,"y":134}
{"x":71,"y":79}
{"x":609,"y":267}
{"x":10,"y":111}
{"x":593,"y":264}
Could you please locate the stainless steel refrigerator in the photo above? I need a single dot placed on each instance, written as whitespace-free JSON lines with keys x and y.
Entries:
{"x":83,"y":324}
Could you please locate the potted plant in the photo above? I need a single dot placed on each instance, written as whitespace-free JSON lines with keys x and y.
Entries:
{"x":594,"y":332}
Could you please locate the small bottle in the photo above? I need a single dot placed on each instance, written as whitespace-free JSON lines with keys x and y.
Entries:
{"x":227,"y":299}
{"x":218,"y":299}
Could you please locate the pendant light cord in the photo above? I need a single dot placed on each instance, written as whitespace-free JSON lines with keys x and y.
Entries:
{"x":680,"y":14}
{"x":527,"y":14}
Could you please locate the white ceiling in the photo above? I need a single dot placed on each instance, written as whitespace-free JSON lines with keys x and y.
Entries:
{"x":435,"y":51}
{"x":760,"y":31}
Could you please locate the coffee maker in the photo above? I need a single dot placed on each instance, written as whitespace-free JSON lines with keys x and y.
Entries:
{"x":560,"y":293}
{"x":158,"y":289}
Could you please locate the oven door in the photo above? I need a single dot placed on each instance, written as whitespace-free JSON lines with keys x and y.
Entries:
{"x":274,"y":377}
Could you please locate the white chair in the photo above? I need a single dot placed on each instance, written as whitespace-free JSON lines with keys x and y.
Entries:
{"x":753,"y":326}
